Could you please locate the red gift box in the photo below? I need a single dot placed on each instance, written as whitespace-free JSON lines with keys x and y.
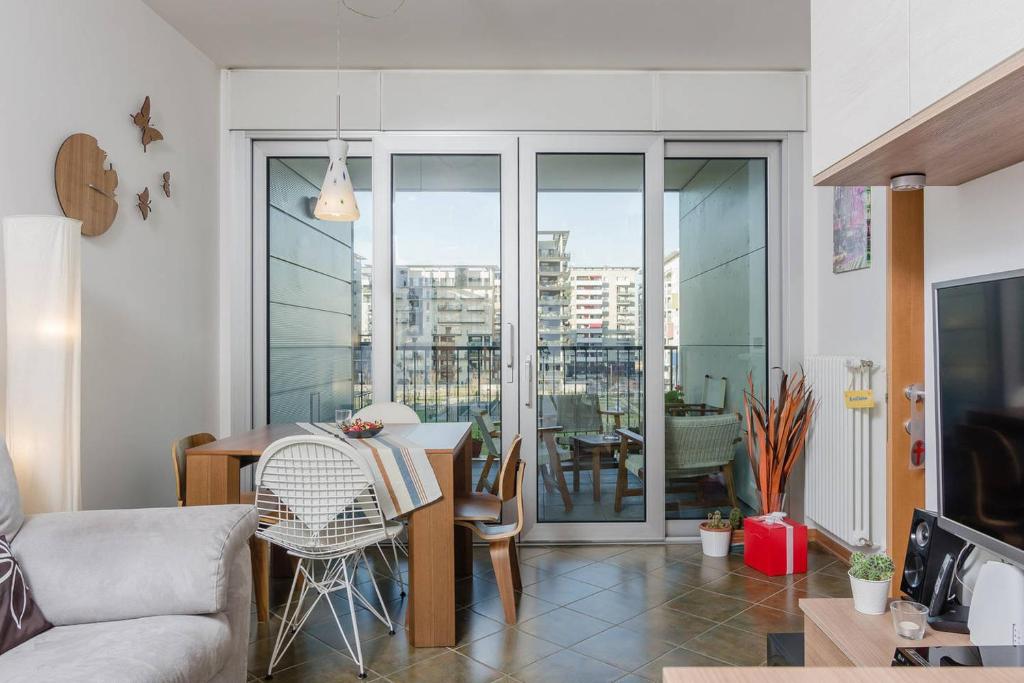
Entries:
{"x":774,"y":545}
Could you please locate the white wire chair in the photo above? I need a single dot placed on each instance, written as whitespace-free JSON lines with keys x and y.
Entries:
{"x":316,"y":499}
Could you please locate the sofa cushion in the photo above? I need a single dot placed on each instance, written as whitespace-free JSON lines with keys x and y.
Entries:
{"x":152,"y":649}
{"x":11,"y":516}
{"x":20,"y":618}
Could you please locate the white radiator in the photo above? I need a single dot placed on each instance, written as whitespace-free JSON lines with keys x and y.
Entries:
{"x":838,"y":480}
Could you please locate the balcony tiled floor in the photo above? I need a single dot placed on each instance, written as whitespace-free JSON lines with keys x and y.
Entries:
{"x":586,"y":613}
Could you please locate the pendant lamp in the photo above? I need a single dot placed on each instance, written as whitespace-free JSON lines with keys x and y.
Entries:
{"x":337,"y":201}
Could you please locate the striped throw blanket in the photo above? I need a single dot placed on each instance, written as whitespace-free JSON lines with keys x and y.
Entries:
{"x":402,"y":473}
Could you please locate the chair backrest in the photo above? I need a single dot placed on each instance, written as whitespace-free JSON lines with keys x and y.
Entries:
{"x":577,"y":413}
{"x":485,"y":425}
{"x":507,"y":489}
{"x":701,"y":441}
{"x":178,"y":449}
{"x":389,"y":412}
{"x":315,"y":494}
{"x":714,"y":391}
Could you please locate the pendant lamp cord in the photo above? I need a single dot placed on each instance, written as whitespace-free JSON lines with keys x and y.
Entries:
{"x":337,"y":64}
{"x":393,"y":12}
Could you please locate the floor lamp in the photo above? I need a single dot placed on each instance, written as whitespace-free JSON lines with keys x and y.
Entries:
{"x":42,"y":285}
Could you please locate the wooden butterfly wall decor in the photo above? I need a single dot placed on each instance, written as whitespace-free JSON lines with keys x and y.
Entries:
{"x":145,"y":205}
{"x":142,"y":120}
{"x":167,"y":183}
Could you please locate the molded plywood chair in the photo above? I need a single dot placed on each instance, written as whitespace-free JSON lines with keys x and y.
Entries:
{"x":501,"y":537}
{"x":259,"y":551}
{"x":484,"y":506}
{"x":389,"y":413}
{"x":488,"y":433}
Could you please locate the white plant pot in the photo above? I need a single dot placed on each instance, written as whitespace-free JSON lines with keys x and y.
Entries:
{"x":869,"y":597}
{"x":715,"y":543}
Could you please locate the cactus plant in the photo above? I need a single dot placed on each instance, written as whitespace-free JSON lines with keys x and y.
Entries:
{"x":876,"y":567}
{"x":735,"y":519}
{"x":715,"y":522}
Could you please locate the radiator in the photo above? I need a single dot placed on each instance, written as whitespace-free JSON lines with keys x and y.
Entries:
{"x":838,"y":466}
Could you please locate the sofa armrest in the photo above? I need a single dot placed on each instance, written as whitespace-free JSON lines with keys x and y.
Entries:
{"x":105,"y":565}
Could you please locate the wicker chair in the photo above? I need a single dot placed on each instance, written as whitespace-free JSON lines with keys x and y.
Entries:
{"x":316,"y":499}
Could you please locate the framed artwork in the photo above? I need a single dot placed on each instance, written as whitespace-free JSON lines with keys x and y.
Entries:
{"x":851,"y":229}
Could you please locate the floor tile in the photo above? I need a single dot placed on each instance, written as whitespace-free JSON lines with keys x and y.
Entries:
{"x":331,"y":668}
{"x":742,"y":587}
{"x":527,"y":607}
{"x":369,"y":628}
{"x":838,"y":569}
{"x":509,"y":650}
{"x":632,"y":678}
{"x":669,"y":625}
{"x":473,"y":589}
{"x":557,"y":562}
{"x":527,"y":572}
{"x":785,"y":580}
{"x":650,"y":590}
{"x":389,"y":654}
{"x":569,"y":667}
{"x":731,"y":645}
{"x":527,"y":551}
{"x":818,"y":558}
{"x":451,"y":667}
{"x":762,"y":619}
{"x":602,"y":574}
{"x":470,"y":626}
{"x":713,"y":606}
{"x":563,"y":626}
{"x":622,"y":648}
{"x":787,"y":600}
{"x":609,"y":606}
{"x":729,"y":563}
{"x":641,"y":559}
{"x":682,"y":551}
{"x":302,"y":649}
{"x":825,"y":586}
{"x":596,"y":552}
{"x":677,"y":657}
{"x":689,"y":574}
{"x":561,"y":590}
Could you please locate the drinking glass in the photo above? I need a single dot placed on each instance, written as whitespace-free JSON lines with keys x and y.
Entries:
{"x":341,"y":416}
{"x":909,"y":619}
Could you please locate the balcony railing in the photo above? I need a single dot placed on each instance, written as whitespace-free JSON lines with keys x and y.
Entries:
{"x":444,"y":383}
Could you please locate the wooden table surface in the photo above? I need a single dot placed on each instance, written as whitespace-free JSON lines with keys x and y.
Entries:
{"x":438,"y":550}
{"x":786,"y":674}
{"x":864,"y":640}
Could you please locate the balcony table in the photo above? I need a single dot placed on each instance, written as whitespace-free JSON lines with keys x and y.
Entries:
{"x":438,"y":550}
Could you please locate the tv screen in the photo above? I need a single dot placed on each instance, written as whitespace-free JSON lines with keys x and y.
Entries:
{"x":979,"y":337}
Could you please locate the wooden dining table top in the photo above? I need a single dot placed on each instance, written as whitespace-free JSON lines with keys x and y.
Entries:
{"x":433,"y":437}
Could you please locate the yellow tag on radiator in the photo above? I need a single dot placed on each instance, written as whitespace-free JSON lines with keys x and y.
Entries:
{"x":859,"y":399}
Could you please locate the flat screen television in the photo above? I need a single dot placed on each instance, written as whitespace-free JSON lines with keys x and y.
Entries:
{"x":979,"y":377}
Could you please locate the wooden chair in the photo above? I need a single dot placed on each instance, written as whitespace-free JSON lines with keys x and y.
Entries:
{"x":551,"y":467}
{"x":488,"y":433}
{"x":579,"y":413}
{"x":712,"y":400}
{"x":501,"y":537}
{"x":259,"y":550}
{"x":631,"y":459}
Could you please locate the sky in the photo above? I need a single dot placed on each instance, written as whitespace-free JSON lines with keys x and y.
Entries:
{"x":462,"y":228}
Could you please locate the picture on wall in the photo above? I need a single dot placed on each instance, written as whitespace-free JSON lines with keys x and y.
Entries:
{"x":851,"y":229}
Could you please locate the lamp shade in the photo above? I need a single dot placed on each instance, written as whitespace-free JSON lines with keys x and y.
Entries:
{"x":337,"y":201}
{"x":42,"y":284}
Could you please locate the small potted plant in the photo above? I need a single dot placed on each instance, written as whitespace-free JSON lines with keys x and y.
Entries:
{"x":870,"y":576}
{"x":716,"y":535}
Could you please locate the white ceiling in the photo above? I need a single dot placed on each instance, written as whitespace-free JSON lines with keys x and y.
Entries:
{"x":500,"y":34}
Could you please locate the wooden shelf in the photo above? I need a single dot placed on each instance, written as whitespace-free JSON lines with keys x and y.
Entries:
{"x":973,"y":131}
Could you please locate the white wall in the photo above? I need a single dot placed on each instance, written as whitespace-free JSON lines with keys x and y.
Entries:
{"x":845,"y":316}
{"x":149,"y":289}
{"x":974,"y":229}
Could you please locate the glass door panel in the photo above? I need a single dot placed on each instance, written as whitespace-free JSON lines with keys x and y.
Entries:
{"x":312,"y":327}
{"x":716,"y":329}
{"x":585,"y":337}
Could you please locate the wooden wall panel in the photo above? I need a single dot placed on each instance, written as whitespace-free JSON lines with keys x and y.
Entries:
{"x":905,"y":361}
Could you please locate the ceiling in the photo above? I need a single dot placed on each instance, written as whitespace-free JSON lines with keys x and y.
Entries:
{"x":499,"y":34}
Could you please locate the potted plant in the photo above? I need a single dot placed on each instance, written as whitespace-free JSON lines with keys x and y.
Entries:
{"x":776,"y":435}
{"x":870,"y":576}
{"x":674,"y":398}
{"x":716,"y":535}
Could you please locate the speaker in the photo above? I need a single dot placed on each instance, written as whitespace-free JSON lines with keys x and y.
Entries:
{"x":927,"y":547}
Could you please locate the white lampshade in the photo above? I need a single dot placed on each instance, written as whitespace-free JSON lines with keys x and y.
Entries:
{"x":42,"y":283}
{"x":337,"y":201}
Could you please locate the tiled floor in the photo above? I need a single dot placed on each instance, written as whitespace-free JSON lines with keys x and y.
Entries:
{"x":586,"y":613}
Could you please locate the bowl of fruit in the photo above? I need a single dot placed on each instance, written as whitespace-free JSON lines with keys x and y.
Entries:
{"x":362,"y":429}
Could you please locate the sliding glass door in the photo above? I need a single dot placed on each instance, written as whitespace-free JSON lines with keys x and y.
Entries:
{"x":718,"y":219}
{"x":587,"y":202}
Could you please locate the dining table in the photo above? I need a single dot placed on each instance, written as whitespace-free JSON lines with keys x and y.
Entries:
{"x":438,"y":550}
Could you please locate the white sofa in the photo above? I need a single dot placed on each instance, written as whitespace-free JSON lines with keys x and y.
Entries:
{"x":150,"y":595}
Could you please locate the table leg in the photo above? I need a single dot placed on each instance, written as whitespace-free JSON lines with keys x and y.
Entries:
{"x":260,"y":551}
{"x":462,"y":483}
{"x":212,"y":480}
{"x":431,"y":616}
{"x":595,"y":472}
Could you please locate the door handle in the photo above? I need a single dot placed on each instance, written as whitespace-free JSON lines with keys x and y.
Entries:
{"x":511,"y":364}
{"x":528,"y":367}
